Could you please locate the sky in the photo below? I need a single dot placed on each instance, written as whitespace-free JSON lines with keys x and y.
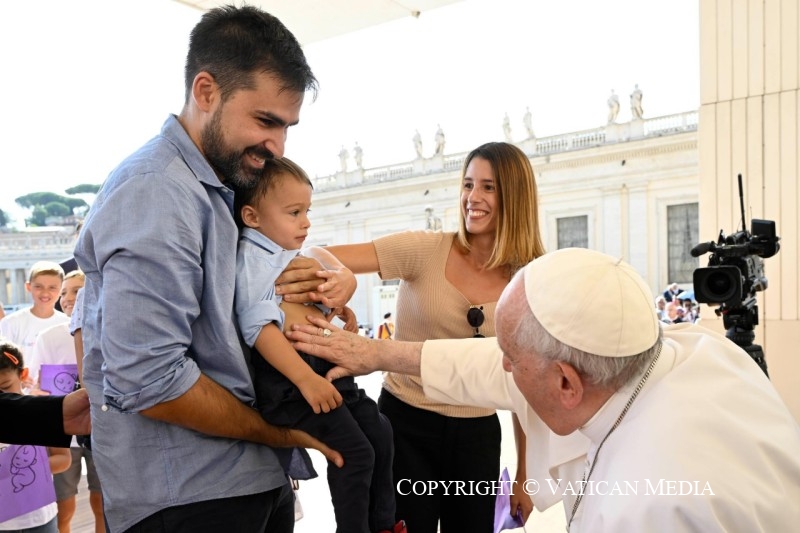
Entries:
{"x":86,"y":82}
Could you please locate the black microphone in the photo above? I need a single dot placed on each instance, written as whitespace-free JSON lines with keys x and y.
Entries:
{"x":703,"y":248}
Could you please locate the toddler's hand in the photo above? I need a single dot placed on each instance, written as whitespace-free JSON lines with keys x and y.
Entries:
{"x":320,"y":394}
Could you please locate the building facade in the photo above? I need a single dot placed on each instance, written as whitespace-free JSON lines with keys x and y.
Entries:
{"x":20,"y":250}
{"x":750,"y":124}
{"x":628,"y":189}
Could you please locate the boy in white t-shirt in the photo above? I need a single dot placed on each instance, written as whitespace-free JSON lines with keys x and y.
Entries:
{"x":21,"y":327}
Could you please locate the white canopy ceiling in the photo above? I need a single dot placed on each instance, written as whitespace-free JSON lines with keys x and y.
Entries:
{"x":315,"y":20}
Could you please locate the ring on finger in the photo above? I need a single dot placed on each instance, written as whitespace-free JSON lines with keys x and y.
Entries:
{"x":326,"y":333}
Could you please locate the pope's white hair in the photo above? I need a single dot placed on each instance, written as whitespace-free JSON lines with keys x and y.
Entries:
{"x":606,"y":372}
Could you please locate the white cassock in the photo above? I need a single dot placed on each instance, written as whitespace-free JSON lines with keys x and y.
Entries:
{"x":708,"y":445}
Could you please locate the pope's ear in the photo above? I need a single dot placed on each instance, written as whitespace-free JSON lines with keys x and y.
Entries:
{"x":571,"y":390}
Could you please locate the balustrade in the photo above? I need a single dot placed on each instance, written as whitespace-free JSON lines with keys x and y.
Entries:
{"x":580,"y":140}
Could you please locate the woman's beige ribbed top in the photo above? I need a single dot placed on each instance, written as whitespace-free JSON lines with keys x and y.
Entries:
{"x":428,"y":307}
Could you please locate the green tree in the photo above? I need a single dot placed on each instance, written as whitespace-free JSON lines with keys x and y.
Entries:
{"x":38,"y":217}
{"x":3,"y":219}
{"x":84,"y":188}
{"x":57,"y":209}
{"x":50,"y":204}
{"x":35,"y":199}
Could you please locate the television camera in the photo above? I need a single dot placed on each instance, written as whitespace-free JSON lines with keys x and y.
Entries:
{"x":734,"y":274}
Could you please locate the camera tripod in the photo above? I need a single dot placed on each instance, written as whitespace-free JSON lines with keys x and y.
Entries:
{"x":739,"y":322}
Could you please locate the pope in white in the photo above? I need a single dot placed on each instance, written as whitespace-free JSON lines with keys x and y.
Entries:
{"x":634,"y":428}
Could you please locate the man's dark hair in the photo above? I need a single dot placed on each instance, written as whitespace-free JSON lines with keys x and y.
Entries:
{"x":233,"y":43}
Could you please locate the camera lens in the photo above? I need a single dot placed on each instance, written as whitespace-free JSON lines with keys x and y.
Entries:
{"x":719,"y":284}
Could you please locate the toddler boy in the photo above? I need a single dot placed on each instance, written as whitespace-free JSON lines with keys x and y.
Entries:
{"x":290,"y":387}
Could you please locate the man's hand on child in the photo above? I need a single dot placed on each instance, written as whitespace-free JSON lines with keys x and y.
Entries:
{"x":306,"y":280}
{"x":299,"y":277}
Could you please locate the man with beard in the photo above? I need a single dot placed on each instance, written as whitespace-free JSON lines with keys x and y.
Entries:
{"x":177,"y":444}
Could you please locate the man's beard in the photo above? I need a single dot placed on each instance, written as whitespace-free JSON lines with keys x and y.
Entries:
{"x":228,"y":163}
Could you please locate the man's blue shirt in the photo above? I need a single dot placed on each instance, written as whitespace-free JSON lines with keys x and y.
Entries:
{"x":159,"y":252}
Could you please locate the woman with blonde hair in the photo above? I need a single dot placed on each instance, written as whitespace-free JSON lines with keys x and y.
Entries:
{"x":450,"y":284}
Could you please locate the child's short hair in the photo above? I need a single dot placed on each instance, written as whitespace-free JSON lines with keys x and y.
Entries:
{"x":75,"y":274}
{"x":45,"y":268}
{"x":10,"y":356}
{"x":273,"y":168}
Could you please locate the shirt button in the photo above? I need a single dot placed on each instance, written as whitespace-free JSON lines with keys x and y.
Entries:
{"x":104,"y":408}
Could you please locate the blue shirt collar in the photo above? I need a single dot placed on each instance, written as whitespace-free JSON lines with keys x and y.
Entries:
{"x":173,"y":131}
{"x":262,"y":241}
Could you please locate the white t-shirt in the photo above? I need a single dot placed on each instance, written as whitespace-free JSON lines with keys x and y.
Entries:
{"x":54,"y":346}
{"x":21,"y":327}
